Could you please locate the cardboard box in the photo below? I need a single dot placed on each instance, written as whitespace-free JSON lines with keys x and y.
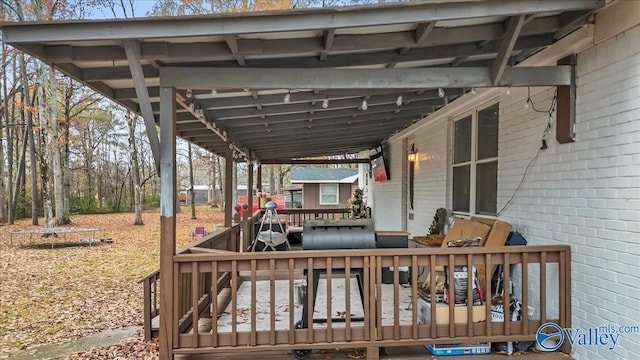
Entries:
{"x":465,"y":229}
{"x":442,"y":313}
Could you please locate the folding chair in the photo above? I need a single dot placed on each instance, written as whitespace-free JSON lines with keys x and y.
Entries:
{"x":199,"y":232}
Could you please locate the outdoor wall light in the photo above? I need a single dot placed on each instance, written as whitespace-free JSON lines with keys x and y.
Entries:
{"x":412,"y":155}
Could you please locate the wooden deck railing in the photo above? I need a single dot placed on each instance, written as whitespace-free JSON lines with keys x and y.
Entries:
{"x":259,"y":316}
{"x":297,"y":216}
{"x":151,"y":308}
{"x":225,"y":239}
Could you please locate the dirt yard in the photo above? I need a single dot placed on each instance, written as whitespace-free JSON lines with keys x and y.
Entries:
{"x":55,"y":295}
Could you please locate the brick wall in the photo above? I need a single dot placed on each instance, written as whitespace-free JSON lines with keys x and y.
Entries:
{"x":387,"y":195}
{"x":430,"y":177}
{"x":586,"y":194}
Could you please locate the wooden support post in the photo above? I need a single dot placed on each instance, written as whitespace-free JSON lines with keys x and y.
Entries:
{"x":373,"y":353}
{"x":167,"y":219}
{"x":259,"y":178}
{"x":228,"y":188}
{"x":247,"y":236}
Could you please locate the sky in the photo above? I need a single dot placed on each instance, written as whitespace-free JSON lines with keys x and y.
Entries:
{"x":140,"y":7}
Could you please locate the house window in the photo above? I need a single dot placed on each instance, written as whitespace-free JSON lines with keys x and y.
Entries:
{"x":328,"y":194}
{"x":475,"y":162}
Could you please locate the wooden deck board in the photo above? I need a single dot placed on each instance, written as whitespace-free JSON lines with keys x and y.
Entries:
{"x":395,"y":353}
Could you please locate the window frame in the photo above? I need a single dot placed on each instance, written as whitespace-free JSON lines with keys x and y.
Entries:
{"x":336,"y":186}
{"x":473,"y":162}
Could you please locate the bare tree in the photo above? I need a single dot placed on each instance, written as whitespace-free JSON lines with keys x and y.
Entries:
{"x":62,"y":218}
{"x":191,"y":184}
{"x":45,"y":154}
{"x":135,"y":173}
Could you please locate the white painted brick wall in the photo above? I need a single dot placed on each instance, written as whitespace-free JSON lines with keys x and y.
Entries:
{"x":387,"y":196}
{"x":430,"y":177}
{"x":585,"y":194}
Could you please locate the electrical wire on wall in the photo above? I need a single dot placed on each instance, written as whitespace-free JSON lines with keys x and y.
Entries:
{"x":545,"y":133}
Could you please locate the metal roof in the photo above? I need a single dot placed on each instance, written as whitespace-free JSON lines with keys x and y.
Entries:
{"x":304,"y":83}
{"x":301,"y":175}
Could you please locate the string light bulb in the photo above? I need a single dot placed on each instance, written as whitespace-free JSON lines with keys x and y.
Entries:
{"x":189,"y":93}
{"x":325,"y":103}
{"x":287,"y":98}
{"x":192,"y":106}
{"x":214,"y":91}
{"x":399,"y":100}
{"x":526,"y":103}
{"x":364,"y":105}
{"x":473,"y":90}
{"x":509,"y":90}
{"x":440,"y":92}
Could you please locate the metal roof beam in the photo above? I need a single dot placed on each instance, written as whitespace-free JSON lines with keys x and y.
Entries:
{"x":348,"y":121}
{"x":500,"y":64}
{"x":285,"y":21}
{"x":132,"y":48}
{"x":116,"y":73}
{"x":233,"y":115}
{"x":328,"y":131}
{"x":313,"y":161}
{"x":434,"y":53}
{"x":333,"y":116}
{"x":278,"y":78}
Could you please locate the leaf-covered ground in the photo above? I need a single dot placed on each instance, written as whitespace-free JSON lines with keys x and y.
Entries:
{"x":54,"y":295}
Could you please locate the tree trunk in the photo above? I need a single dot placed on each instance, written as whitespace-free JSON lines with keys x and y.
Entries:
{"x":10,"y":130}
{"x":135,"y":174}
{"x":3,"y":124}
{"x":234,"y":184}
{"x":272,"y":179}
{"x":65,"y":151}
{"x":45,"y":154}
{"x":62,"y":218}
{"x":222,"y":185}
{"x":212,"y":180}
{"x":34,"y":172}
{"x":191,"y":184}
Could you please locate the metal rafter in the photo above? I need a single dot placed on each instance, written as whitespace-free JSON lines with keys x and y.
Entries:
{"x":422,"y":32}
{"x":513,"y":31}
{"x":232,"y":43}
{"x":327,"y":36}
{"x":132,"y":48}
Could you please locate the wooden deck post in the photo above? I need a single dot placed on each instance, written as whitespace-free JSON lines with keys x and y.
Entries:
{"x":228,"y":188}
{"x":259,"y":179}
{"x":167,"y":218}
{"x":248,"y":214}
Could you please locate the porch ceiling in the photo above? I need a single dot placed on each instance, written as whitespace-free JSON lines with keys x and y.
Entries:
{"x":239,"y":67}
